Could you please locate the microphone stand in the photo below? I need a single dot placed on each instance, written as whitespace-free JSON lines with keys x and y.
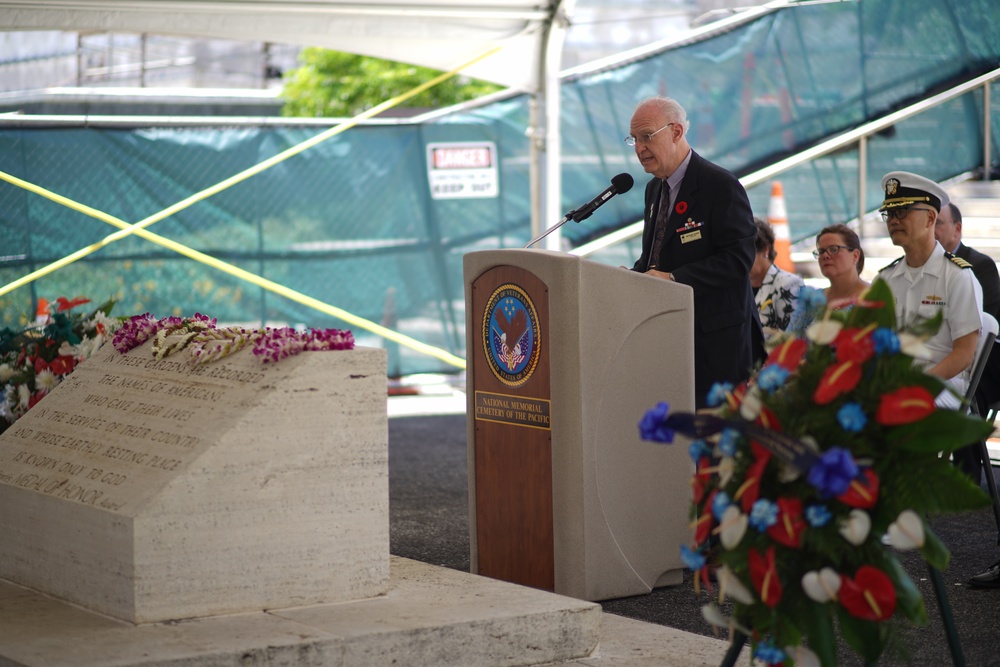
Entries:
{"x":566,"y":218}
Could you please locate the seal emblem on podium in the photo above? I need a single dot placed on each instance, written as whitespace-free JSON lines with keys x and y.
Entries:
{"x":511,"y":336}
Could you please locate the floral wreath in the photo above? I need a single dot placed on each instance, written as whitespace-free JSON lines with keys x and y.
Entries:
{"x":800,"y":473}
{"x":35,"y":360}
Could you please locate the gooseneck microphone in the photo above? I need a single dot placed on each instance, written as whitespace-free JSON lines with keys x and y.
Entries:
{"x":620,"y":184}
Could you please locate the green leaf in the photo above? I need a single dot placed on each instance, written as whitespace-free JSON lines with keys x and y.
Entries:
{"x":940,"y":431}
{"x":865,"y":637}
{"x":882,"y":317}
{"x":927,"y":326}
{"x":816,"y":621}
{"x":909,"y":601}
{"x":934,"y":551}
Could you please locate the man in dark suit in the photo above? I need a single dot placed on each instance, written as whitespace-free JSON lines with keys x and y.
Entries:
{"x":948,"y":232}
{"x":699,"y":231}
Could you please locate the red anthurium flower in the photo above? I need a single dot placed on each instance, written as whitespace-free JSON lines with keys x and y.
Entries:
{"x":62,"y":365}
{"x":703,"y":524}
{"x":701,"y":478}
{"x":865,"y":303}
{"x":788,"y":354}
{"x":703,"y":527}
{"x":759,"y":451}
{"x":735,"y":397}
{"x":34,"y":398}
{"x":697,"y":488}
{"x":855,"y":344}
{"x":749,"y":491}
{"x":870,"y":595}
{"x":764,"y":575}
{"x":904,"y":406}
{"x":66,"y":304}
{"x":863,"y":492}
{"x":40,"y":365}
{"x":838,"y":378}
{"x":768,"y":419}
{"x":791,"y":525}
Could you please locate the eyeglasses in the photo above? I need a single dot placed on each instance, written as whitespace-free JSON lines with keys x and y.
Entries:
{"x":831,"y":250}
{"x":900,"y":213}
{"x":644,"y":138}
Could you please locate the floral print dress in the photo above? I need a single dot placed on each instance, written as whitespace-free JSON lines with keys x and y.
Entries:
{"x":776,"y":299}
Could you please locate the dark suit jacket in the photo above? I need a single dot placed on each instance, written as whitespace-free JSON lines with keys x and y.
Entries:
{"x":713,"y":255}
{"x":986,"y":273}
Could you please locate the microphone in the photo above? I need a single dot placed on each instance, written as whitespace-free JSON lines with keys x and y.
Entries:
{"x":620,"y":184}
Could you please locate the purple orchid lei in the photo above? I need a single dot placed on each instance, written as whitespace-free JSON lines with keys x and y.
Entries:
{"x":209,"y":343}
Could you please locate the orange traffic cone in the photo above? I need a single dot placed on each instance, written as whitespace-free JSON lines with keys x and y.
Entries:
{"x":778,"y":219}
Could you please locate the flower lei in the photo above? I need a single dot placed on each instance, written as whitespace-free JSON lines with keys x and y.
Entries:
{"x":206,"y":342}
{"x":35,"y":361}
{"x":799,"y":473}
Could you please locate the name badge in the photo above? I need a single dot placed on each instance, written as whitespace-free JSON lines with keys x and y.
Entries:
{"x":691,"y":236}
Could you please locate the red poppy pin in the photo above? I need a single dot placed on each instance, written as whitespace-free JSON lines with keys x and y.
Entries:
{"x":681,"y":207}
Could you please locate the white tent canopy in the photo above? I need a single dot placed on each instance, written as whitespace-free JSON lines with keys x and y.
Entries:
{"x":443,"y":34}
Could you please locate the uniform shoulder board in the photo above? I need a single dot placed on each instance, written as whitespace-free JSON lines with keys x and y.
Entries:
{"x":891,"y":264}
{"x":961,"y":263}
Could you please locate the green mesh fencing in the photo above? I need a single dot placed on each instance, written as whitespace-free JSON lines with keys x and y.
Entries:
{"x":352,"y":221}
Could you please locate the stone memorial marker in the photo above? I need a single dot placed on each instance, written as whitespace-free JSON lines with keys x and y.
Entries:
{"x":151,"y":490}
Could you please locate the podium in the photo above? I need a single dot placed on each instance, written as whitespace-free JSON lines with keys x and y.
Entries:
{"x":565,"y":356}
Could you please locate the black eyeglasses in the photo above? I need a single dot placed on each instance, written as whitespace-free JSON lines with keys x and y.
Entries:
{"x":900,"y":212}
{"x":831,"y":250}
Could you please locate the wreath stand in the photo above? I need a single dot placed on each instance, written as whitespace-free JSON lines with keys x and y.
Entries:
{"x":940,"y":592}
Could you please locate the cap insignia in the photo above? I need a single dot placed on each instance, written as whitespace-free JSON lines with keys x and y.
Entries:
{"x":891,"y":186}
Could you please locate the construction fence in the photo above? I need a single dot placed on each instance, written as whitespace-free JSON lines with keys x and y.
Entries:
{"x":375,"y":220}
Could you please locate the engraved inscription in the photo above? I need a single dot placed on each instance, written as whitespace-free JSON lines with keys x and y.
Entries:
{"x":123,"y":426}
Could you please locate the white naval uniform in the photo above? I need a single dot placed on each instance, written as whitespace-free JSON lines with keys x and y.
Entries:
{"x":938,"y":284}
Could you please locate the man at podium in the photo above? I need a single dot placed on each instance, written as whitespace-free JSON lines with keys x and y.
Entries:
{"x":699,"y":231}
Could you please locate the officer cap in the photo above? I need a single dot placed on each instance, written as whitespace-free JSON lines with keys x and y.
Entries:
{"x":902,"y":188}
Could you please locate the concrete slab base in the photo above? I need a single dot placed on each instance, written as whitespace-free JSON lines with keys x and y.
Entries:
{"x":431,"y":616}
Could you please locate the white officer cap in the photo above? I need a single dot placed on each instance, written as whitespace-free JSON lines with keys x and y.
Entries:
{"x":902,"y":188}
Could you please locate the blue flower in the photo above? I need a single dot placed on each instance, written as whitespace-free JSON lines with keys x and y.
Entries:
{"x":811,"y":304}
{"x":852,"y":417}
{"x":719,"y":504}
{"x":769,"y":653}
{"x":772,"y":377}
{"x":833,"y":471}
{"x":763,"y":515}
{"x":728,"y":440}
{"x":885,"y":341}
{"x":717,"y":394}
{"x":652,"y":427}
{"x":818,"y":515}
{"x":698,"y":449}
{"x":693,"y":560}
{"x":811,"y":297}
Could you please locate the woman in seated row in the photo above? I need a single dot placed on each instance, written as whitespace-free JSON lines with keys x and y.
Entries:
{"x":841,"y":260}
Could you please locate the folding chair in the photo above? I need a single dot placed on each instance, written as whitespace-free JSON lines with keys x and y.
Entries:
{"x":983,"y":348}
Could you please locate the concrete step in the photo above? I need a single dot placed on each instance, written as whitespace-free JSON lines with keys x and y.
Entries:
{"x":431,"y":616}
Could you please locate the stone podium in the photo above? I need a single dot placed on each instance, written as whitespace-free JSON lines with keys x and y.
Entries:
{"x":565,"y":356}
{"x":151,"y":490}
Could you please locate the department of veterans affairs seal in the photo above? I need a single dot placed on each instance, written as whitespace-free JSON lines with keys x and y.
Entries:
{"x":511,"y":337}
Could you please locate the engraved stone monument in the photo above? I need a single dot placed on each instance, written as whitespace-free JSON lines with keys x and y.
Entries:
{"x":153,"y":490}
